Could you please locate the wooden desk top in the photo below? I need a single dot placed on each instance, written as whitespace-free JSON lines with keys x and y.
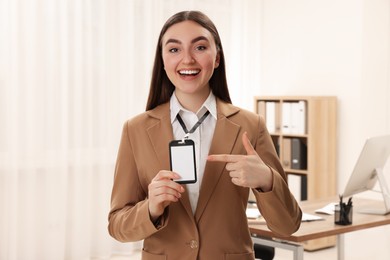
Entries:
{"x":325,"y":228}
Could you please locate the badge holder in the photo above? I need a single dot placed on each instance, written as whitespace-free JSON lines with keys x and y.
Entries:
{"x":182,"y":160}
{"x":182,"y":153}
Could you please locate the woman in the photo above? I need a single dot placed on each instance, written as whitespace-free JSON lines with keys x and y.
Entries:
{"x":234,"y":153}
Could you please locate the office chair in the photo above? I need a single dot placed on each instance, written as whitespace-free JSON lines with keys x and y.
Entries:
{"x":264,"y":252}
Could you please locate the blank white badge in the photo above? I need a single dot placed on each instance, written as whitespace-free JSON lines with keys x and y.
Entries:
{"x":182,"y":159}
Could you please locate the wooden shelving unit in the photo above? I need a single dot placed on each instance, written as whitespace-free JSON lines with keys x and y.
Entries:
{"x":314,"y":129}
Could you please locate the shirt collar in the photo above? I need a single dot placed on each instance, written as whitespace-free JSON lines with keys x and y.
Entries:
{"x":210,"y":104}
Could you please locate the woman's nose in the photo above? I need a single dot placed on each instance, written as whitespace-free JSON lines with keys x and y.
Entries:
{"x":188,"y":58}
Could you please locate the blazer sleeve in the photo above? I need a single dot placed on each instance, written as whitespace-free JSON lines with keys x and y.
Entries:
{"x":278,"y":206}
{"x":129,"y":218}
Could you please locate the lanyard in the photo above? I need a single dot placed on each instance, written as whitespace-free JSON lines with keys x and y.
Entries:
{"x":194,"y":127}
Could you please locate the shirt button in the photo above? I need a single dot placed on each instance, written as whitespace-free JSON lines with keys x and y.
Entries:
{"x":194,"y":244}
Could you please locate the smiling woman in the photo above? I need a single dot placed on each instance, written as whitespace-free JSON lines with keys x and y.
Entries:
{"x":231,"y":151}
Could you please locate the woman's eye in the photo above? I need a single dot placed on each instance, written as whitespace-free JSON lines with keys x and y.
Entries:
{"x":173,"y":50}
{"x":201,"y":48}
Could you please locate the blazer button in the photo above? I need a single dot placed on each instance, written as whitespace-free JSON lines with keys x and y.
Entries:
{"x":194,"y":244}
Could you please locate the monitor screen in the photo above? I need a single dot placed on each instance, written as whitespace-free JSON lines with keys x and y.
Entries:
{"x":373,"y":156}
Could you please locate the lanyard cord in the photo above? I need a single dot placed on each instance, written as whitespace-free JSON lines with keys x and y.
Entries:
{"x":200,"y":121}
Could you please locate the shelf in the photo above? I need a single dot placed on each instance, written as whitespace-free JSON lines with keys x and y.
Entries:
{"x":292,"y":171}
{"x":303,"y":130}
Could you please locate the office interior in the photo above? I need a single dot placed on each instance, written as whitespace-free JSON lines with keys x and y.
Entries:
{"x":71,"y":73}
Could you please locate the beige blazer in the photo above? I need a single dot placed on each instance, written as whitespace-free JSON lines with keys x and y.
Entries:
{"x":219,"y":228}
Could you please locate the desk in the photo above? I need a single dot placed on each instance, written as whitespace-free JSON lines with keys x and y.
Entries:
{"x":322,"y":228}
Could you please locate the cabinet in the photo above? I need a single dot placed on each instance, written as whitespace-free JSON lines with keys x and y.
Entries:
{"x":303,"y":130}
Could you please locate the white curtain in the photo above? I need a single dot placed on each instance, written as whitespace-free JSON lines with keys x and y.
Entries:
{"x":71,"y":73}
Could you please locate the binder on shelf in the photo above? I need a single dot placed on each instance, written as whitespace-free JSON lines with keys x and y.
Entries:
{"x":286,"y":158}
{"x":294,"y":117}
{"x":298,"y":186}
{"x":298,"y":154}
{"x":276,"y":145}
{"x":301,"y":117}
{"x":298,"y":117}
{"x":286,"y":117}
{"x":277,"y":117}
{"x":270,"y":116}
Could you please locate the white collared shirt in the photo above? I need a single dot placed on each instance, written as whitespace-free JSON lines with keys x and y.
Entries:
{"x":202,"y":137}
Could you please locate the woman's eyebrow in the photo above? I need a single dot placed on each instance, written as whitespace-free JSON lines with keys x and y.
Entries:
{"x":199,"y":38}
{"x":172,"y":41}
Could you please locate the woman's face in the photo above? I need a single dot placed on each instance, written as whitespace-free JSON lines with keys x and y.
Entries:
{"x":190,"y":57}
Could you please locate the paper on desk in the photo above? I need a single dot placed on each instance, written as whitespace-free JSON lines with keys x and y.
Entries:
{"x":309,"y":217}
{"x":328,"y":209}
{"x":254,"y":216}
{"x":252,"y":213}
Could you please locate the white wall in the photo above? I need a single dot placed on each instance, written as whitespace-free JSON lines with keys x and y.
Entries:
{"x":338,"y":48}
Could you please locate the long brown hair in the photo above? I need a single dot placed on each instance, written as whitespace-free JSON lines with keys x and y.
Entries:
{"x":161,"y":88}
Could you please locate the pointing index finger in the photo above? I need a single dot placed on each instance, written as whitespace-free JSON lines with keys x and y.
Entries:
{"x":224,"y":157}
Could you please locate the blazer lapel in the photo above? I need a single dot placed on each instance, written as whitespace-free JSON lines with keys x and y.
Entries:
{"x":160,"y":135}
{"x":225,"y":136}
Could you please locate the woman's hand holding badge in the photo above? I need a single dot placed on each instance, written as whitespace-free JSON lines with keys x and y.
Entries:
{"x":162,"y":191}
{"x":246,"y":170}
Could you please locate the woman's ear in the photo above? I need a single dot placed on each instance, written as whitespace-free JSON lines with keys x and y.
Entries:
{"x":217,"y":60}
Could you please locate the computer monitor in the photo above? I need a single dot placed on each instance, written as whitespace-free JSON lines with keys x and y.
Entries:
{"x":369,"y":169}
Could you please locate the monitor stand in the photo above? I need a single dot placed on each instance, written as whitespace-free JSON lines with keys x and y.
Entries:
{"x":385,"y":193}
